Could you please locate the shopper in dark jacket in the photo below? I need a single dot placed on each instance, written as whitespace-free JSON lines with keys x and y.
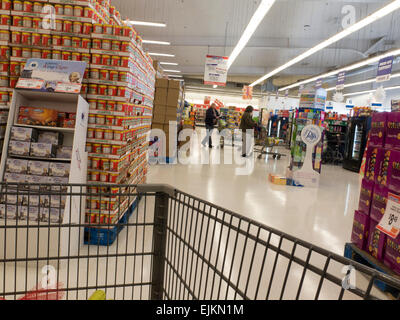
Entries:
{"x":247,"y":123}
{"x":212,"y":117}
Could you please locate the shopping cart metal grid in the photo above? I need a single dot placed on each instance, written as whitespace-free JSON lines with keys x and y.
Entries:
{"x":174,"y":246}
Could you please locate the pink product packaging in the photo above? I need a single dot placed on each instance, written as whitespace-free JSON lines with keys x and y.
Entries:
{"x":379,"y":201}
{"x":359,"y":235}
{"x":392,"y":140}
{"x":393,"y":173}
{"x":367,"y":188}
{"x":376,"y":241}
{"x":378,"y":129}
{"x":391,"y":257}
{"x":375,"y":157}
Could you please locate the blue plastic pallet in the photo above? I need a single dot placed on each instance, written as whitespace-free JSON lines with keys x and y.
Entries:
{"x":351,"y":251}
{"x":106,"y":237}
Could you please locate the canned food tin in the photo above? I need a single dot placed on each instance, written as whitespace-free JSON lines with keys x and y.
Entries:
{"x":5,"y":35}
{"x":98,"y":28}
{"x":6,"y":5}
{"x":36,"y":39}
{"x":121,"y":107}
{"x":109,"y":120}
{"x":108,"y":29}
{"x":46,"y":54}
{"x":112,"y":90}
{"x":4,"y":96}
{"x":28,"y":6}
{"x":57,"y":40}
{"x":87,"y":28}
{"x":67,"y":41}
{"x":105,"y":163}
{"x":76,"y":42}
{"x":95,"y":176}
{"x":124,"y":46}
{"x":115,"y":150}
{"x":78,"y":11}
{"x":108,"y":135}
{"x":59,"y":25}
{"x":16,"y":37}
{"x":119,"y":121}
{"x":113,"y":75}
{"x":37,"y":7}
{"x":4,"y":66}
{"x":104,"y":178}
{"x":117,"y":30}
{"x":104,"y":75}
{"x":90,"y":133}
{"x":100,"y":119}
{"x":27,"y":22}
{"x":92,"y":118}
{"x":59,"y":9}
{"x":115,"y":61}
{"x":121,"y":91}
{"x":96,"y":44}
{"x":26,"y":53}
{"x":86,"y":57}
{"x":106,"y":45}
{"x":37,"y":23}
{"x":97,"y":148}
{"x":26,"y":38}
{"x":96,"y":59}
{"x":66,"y":55}
{"x":111,"y":105}
{"x":67,"y":26}
{"x":18,"y":5}
{"x":99,"y":134}
{"x":17,"y":52}
{"x":13,"y":81}
{"x":68,"y":10}
{"x":4,"y":81}
{"x":125,"y":62}
{"x":46,"y":40}
{"x":16,"y":22}
{"x":118,"y":135}
{"x":76,"y":56}
{"x":88,"y":12}
{"x":92,"y":104}
{"x":77,"y":27}
{"x":114,"y":177}
{"x":88,"y":147}
{"x":96,"y":161}
{"x":106,"y":149}
{"x":86,"y":43}
{"x":116,"y":45}
{"x":114,"y":165}
{"x":105,"y":60}
{"x":94,"y":74}
{"x":92,"y":88}
{"x":127,"y":32}
{"x":36,"y":53}
{"x":123,"y":76}
{"x":102,"y":90}
{"x":101,"y":105}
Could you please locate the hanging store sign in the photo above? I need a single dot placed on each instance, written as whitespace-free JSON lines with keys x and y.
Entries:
{"x":390,"y":223}
{"x":216,"y":70}
{"x":340,"y":81}
{"x":287,"y":93}
{"x":385,"y":69}
{"x":207,"y":100}
{"x":318,"y":84}
{"x":247,"y":93}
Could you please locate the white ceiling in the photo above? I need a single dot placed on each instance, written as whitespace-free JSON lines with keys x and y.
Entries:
{"x":200,"y":27}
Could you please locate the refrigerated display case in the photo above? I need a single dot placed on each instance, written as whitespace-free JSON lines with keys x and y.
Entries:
{"x":356,"y":142}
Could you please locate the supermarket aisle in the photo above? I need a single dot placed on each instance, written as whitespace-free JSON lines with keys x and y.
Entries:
{"x":323,"y":216}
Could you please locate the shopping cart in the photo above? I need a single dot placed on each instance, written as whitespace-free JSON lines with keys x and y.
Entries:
{"x":173,"y":246}
{"x":265,"y":145}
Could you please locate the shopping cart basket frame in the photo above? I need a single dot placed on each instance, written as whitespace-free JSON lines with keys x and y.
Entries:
{"x":198,"y":251}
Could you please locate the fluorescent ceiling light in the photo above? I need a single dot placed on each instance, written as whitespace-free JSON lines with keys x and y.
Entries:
{"x":394,"y":5}
{"x":148,"y":24}
{"x":353,"y":66}
{"x":174,"y":76}
{"x":255,"y":21}
{"x":174,"y":71}
{"x":369,"y":91}
{"x":215,"y":86}
{"x":169,"y":63}
{"x":161,"y":54}
{"x":164,"y":43}
{"x":358,"y":83}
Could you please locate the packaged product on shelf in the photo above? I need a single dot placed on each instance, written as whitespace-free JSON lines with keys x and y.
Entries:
{"x":392,"y":254}
{"x":57,"y":169}
{"x":17,"y":166}
{"x":392,"y":140}
{"x":393,"y":172}
{"x":367,"y":188}
{"x":379,"y":201}
{"x":57,"y":201}
{"x":376,"y":241}
{"x":64,"y":152}
{"x":46,"y":150}
{"x":40,"y":168}
{"x":382,"y":177}
{"x":360,"y":231}
{"x":55,"y":138}
{"x":20,"y":148}
{"x":58,"y":181}
{"x":15,"y":177}
{"x":8,"y":211}
{"x":39,"y":116}
{"x":23,"y":134}
{"x":35,"y":200}
{"x":35,"y":180}
{"x":54,"y":214}
{"x":375,"y":157}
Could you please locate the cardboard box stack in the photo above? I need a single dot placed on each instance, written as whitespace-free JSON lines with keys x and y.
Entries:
{"x":118,"y":83}
{"x":382,"y":176}
{"x":168,"y":107}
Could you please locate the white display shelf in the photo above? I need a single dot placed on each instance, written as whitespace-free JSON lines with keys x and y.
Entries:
{"x":101,"y":97}
{"x":110,"y":52}
{"x":100,"y":126}
{"x":4,"y":27}
{"x":108,"y":82}
{"x":106,"y":156}
{"x":39,"y":158}
{"x":59,"y":129}
{"x":111,"y":142}
{"x":110,"y":68}
{"x":70,"y":49}
{"x":43,"y":15}
{"x":31,"y":30}
{"x":108,"y":113}
{"x":110,"y":37}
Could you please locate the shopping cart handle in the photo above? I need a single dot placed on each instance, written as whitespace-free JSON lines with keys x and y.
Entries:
{"x":154,"y":188}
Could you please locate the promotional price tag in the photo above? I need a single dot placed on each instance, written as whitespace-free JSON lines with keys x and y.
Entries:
{"x":30,"y":84}
{"x":68,"y":88}
{"x":390,"y":223}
